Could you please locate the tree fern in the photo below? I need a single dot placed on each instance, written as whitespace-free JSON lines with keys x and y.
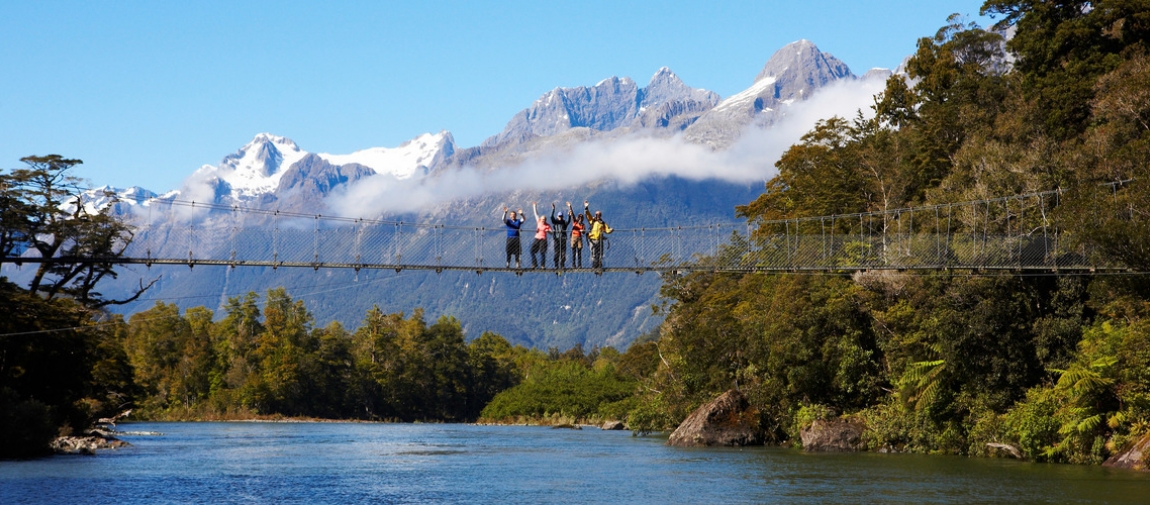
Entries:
{"x":920,"y":382}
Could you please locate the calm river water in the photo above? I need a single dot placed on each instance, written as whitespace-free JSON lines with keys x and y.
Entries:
{"x":427,"y":463}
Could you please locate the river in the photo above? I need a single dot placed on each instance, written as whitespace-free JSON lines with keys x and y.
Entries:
{"x":317,"y":463}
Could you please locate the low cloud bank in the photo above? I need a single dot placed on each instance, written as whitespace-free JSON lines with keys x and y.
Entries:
{"x":628,"y":160}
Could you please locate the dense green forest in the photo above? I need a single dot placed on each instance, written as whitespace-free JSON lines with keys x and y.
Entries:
{"x":272,"y":361}
{"x":268,"y":360}
{"x":1056,"y":365}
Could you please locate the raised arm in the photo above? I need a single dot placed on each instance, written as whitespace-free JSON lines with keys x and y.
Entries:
{"x":535,"y":210}
{"x":505,"y":214}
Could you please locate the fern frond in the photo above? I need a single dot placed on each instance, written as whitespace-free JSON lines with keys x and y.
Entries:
{"x":1104,"y":362}
{"x":1089,"y":424}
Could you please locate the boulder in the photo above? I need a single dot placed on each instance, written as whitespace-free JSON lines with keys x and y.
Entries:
{"x":85,"y":445}
{"x":612,"y":425}
{"x":1007,"y":449}
{"x":834,"y":435}
{"x":1133,"y":458}
{"x":727,"y":420}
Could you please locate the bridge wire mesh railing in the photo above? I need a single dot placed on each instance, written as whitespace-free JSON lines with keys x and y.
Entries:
{"x":1013,"y":233}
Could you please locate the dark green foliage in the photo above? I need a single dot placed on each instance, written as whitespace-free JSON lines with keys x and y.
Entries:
{"x":937,"y":362}
{"x":785,"y":341}
{"x":27,"y":426}
{"x":58,"y":372}
{"x":492,"y":360}
{"x":275,"y":362}
{"x":1064,"y":46}
{"x":59,"y":369}
{"x":568,"y":387}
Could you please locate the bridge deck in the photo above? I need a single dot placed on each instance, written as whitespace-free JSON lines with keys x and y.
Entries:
{"x":677,"y":269}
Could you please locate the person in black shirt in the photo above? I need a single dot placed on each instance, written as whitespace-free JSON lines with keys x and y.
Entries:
{"x":559,"y":231}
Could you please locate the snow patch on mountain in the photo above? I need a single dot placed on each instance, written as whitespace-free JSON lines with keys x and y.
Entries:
{"x":411,"y":157}
{"x":746,"y":96}
{"x":97,"y":199}
{"x":258,"y":166}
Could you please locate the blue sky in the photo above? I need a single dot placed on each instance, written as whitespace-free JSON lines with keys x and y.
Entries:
{"x":146,"y":92}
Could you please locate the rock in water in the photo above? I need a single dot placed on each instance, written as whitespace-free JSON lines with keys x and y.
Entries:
{"x":726,"y":420}
{"x":834,"y":435}
{"x":85,"y":445}
{"x":612,"y":425}
{"x":1008,"y":449}
{"x":1134,"y":458}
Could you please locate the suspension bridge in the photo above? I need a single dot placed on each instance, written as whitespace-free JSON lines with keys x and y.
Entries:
{"x":1011,"y":234}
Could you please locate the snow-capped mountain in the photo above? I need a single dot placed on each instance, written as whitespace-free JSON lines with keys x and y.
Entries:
{"x":559,"y":119}
{"x":259,"y":170}
{"x":256,"y":168}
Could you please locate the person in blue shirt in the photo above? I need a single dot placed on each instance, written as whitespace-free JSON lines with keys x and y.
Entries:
{"x":514,"y":248}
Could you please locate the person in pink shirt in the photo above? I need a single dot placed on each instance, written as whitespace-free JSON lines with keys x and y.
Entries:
{"x":540,"y":243}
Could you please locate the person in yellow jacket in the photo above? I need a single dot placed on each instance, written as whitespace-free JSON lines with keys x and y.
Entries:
{"x":598,"y":234}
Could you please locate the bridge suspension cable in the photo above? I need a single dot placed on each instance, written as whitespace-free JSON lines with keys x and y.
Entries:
{"x":1011,"y":233}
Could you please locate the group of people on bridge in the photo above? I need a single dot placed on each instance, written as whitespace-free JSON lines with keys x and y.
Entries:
{"x":595,"y":229}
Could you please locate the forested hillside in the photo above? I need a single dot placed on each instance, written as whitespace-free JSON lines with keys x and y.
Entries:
{"x":1058,"y":365}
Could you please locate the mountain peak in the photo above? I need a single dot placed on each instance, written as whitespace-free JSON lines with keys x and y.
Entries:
{"x":268,"y":138}
{"x":664,"y":76}
{"x":794,"y":72}
{"x":613,"y":81}
{"x":257,"y":166}
{"x":667,"y":87}
{"x":803,"y":59}
{"x":801,"y":43}
{"x":877,"y":73}
{"x":800,"y":66}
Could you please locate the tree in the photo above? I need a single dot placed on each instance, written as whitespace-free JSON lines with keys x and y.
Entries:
{"x":1063,"y":46}
{"x":58,"y":370}
{"x":48,"y":350}
{"x":43,"y":209}
{"x":493,"y":368}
